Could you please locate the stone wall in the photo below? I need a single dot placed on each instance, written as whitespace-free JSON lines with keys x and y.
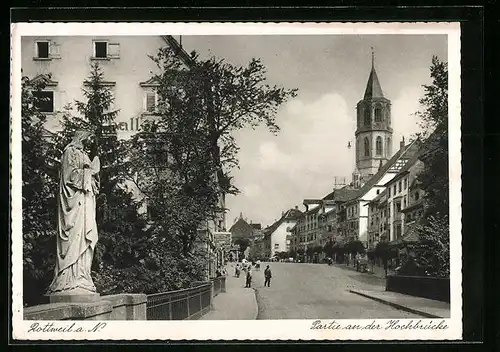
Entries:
{"x":420,"y":286}
{"x":112,"y":307}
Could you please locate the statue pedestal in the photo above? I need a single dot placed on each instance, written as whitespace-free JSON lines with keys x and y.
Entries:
{"x":73,"y":296}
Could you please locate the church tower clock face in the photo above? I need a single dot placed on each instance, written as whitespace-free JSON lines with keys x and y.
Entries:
{"x":374,"y":132}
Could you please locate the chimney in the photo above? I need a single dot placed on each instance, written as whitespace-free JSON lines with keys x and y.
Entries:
{"x":296,"y":207}
{"x":402,"y":143}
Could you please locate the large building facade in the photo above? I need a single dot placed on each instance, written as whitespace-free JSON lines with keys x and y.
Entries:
{"x":125,"y":63}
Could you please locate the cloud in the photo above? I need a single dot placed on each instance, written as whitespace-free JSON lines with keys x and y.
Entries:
{"x":301,"y":162}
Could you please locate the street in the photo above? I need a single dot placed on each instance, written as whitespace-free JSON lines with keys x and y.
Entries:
{"x":318,"y":291}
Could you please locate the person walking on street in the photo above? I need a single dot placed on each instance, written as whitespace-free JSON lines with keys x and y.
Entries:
{"x":267,"y":275}
{"x":249,"y":278}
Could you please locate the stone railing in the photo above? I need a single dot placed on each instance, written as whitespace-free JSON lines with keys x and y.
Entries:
{"x":112,"y":307}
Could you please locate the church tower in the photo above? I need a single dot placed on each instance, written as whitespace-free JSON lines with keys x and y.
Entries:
{"x":373,"y":133}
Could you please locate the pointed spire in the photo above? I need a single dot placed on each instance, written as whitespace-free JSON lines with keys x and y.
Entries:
{"x":373,"y":88}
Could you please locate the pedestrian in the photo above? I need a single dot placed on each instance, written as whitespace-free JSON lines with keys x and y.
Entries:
{"x":249,"y":278}
{"x":267,"y":275}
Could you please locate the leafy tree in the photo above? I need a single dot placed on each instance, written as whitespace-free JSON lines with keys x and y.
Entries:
{"x":219,"y":98}
{"x":432,"y":250}
{"x":328,"y":249}
{"x":434,"y":178}
{"x":243,"y":243}
{"x":256,"y":251}
{"x":38,"y":194}
{"x":182,"y":159}
{"x":282,"y":255}
{"x":310,"y":251}
{"x":356,"y":247}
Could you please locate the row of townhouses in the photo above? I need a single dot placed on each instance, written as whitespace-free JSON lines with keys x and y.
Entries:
{"x":383,"y":200}
{"x":127,"y":71}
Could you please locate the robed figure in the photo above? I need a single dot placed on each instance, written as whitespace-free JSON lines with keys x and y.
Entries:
{"x":77,"y":227}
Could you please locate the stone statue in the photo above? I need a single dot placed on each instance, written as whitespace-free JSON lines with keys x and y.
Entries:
{"x":77,"y":227}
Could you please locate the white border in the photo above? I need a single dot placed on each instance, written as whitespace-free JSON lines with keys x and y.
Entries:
{"x":239,"y":330}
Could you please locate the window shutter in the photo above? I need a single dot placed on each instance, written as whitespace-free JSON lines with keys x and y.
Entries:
{"x":54,"y":50}
{"x":150,"y":102}
{"x":114,"y":50}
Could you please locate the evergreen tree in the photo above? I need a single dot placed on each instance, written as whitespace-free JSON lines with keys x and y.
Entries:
{"x":38,"y":194}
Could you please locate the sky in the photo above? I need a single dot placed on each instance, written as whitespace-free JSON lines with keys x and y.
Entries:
{"x":330,"y":71}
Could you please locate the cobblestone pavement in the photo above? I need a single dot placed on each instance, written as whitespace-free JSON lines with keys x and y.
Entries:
{"x":319,"y":291}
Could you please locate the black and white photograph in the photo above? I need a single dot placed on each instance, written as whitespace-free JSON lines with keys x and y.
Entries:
{"x":228,"y":174}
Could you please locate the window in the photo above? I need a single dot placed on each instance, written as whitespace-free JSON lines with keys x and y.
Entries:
{"x":399,"y":186}
{"x":378,"y":114}
{"x":42,"y":49}
{"x":378,"y":145}
{"x":378,"y":191}
{"x":44,"y":101}
{"x":367,"y":116}
{"x":150,"y":101}
{"x":394,"y":190}
{"x":367,"y":147}
{"x":388,"y":146}
{"x":404,"y":202}
{"x":417,"y":195}
{"x":46,"y":50}
{"x":389,"y":192}
{"x":404,"y":183}
{"x":101,"y":50}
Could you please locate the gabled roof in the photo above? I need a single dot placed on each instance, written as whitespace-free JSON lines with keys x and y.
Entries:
{"x":412,"y":161}
{"x":406,"y":152}
{"x":379,"y":196}
{"x":256,"y":226}
{"x":290,"y":214}
{"x":341,"y":195}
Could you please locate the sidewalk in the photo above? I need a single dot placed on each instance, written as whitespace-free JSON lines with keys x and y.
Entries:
{"x":377,"y":270}
{"x":237,"y":303}
{"x":417,"y":305}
